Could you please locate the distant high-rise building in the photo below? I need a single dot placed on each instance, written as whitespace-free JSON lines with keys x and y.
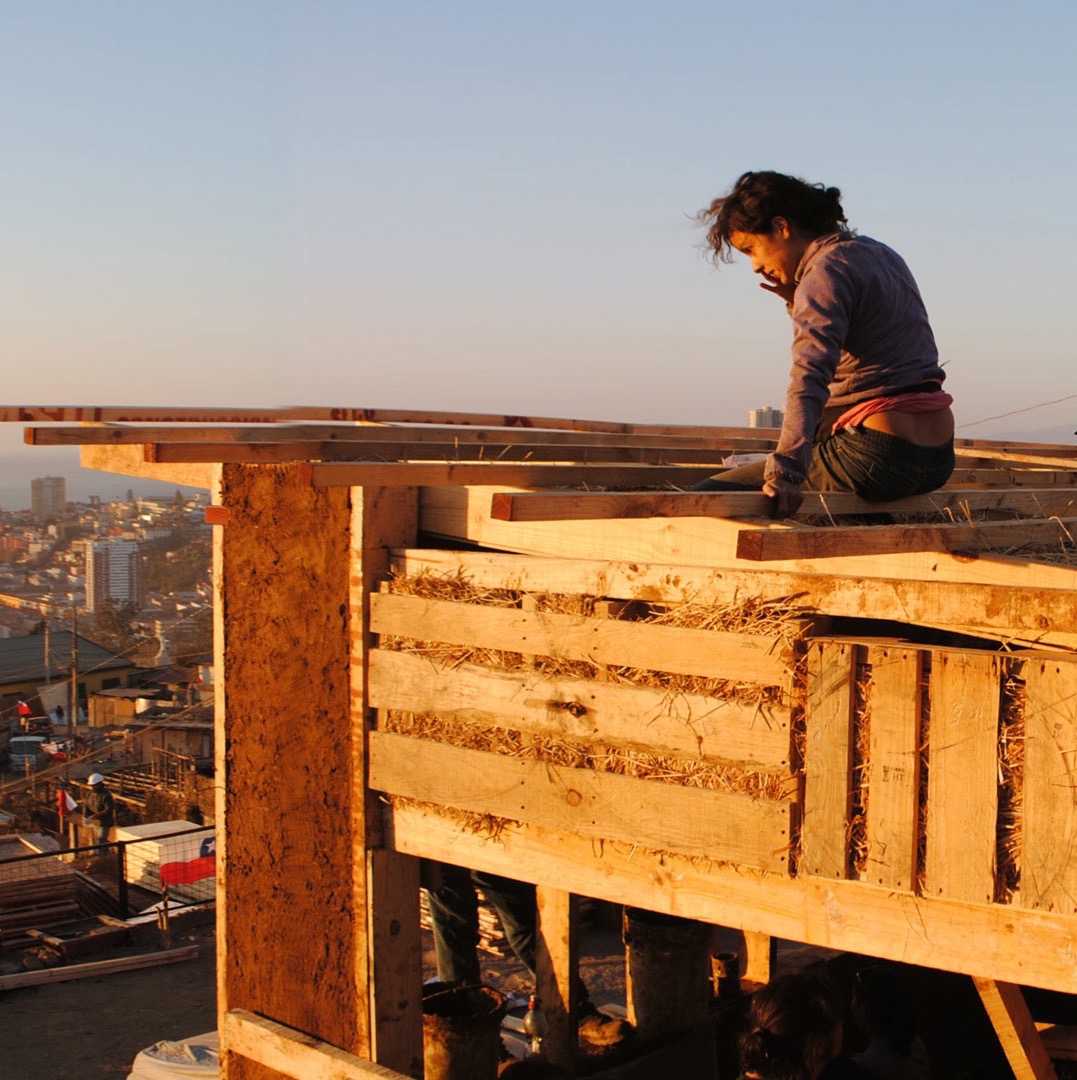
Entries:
{"x":48,"y":497}
{"x":765,"y":417}
{"x":113,"y":572}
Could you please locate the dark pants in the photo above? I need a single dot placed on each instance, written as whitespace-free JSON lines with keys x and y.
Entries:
{"x":454,"y":915}
{"x":877,"y":466}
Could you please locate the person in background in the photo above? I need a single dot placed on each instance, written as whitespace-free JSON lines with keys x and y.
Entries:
{"x":794,"y":1032}
{"x":884,"y":1012}
{"x":865,"y":410}
{"x":454,"y":916}
{"x":98,"y":808}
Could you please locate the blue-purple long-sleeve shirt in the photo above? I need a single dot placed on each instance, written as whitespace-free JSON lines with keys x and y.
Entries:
{"x":860,"y":331}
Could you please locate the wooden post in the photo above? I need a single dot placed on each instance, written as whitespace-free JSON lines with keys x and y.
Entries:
{"x":387,"y":883}
{"x":557,"y":965}
{"x":1021,"y":1042}
{"x":760,"y":957}
{"x":292,"y":566}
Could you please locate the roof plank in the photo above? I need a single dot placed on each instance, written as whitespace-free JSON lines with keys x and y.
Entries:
{"x":565,"y":506}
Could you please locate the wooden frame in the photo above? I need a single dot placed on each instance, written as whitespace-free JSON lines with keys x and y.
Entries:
{"x":320,"y":826}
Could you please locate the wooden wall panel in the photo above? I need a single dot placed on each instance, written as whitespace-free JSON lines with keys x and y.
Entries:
{"x":962,"y":803}
{"x":679,"y":650}
{"x":616,"y":714}
{"x":1049,"y":856}
{"x":828,"y":756}
{"x":893,"y":766}
{"x":740,"y":829}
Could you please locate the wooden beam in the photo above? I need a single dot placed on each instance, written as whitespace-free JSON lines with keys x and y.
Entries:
{"x":601,"y":806}
{"x":97,"y":968}
{"x":1051,"y":456}
{"x":574,"y":506}
{"x":454,"y":451}
{"x":764,"y":659}
{"x":293,"y":1053}
{"x":761,"y":545}
{"x":389,"y":989}
{"x":364,"y":415}
{"x":591,"y":506}
{"x":374,"y":434}
{"x":1021,"y":1043}
{"x":1009,"y":445}
{"x":1031,"y":948}
{"x":997,"y":594}
{"x":1037,"y":477}
{"x":128,"y":461}
{"x":463,"y":513}
{"x":139,"y":414}
{"x":498,"y":473}
{"x":642,"y":718}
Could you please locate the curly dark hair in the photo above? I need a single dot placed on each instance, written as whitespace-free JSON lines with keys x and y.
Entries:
{"x":757,"y":198}
{"x":793,"y":1019}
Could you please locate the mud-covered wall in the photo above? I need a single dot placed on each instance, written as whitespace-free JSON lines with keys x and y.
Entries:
{"x":292,"y":952}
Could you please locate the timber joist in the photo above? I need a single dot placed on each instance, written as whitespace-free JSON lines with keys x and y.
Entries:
{"x":659,"y":463}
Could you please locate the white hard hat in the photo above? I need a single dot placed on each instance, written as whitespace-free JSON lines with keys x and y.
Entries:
{"x":95,"y":778}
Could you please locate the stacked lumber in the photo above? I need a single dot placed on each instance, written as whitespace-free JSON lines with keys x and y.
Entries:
{"x":492,"y":938}
{"x":35,"y":893}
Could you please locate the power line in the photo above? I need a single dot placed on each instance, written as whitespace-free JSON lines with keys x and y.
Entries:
{"x":1016,"y":412}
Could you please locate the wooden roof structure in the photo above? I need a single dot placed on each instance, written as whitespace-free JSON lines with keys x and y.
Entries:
{"x":585,"y":470}
{"x":959,"y":595}
{"x":511,"y":483}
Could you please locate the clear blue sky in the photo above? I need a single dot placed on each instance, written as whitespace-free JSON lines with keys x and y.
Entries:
{"x":488,"y":205}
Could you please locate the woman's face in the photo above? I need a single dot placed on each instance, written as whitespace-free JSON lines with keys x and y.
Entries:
{"x":775,"y":254}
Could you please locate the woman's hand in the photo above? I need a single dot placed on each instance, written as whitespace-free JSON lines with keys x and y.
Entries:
{"x":787,"y":497}
{"x":783,"y":289}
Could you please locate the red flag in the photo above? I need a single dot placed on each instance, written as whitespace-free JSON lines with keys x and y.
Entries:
{"x":188,"y":871}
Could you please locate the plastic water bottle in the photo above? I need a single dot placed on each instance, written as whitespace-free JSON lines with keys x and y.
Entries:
{"x":534,"y":1026}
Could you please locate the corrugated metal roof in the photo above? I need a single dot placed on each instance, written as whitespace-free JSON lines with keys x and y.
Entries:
{"x":22,"y":659}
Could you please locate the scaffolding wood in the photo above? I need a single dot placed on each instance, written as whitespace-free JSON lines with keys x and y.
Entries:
{"x":523,"y":645}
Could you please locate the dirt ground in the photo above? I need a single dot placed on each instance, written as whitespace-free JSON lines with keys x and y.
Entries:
{"x":92,"y":1029}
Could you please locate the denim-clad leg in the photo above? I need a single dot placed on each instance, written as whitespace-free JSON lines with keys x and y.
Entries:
{"x":515,"y":905}
{"x":878,"y":466}
{"x":454,"y":916}
{"x":875,"y":465}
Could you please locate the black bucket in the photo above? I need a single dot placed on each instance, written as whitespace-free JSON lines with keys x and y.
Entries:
{"x":461,"y":1032}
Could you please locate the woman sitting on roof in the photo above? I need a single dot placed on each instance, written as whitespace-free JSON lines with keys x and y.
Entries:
{"x":865,"y":410}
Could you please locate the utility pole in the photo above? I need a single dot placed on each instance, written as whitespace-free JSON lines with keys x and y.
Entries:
{"x":72,"y":712}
